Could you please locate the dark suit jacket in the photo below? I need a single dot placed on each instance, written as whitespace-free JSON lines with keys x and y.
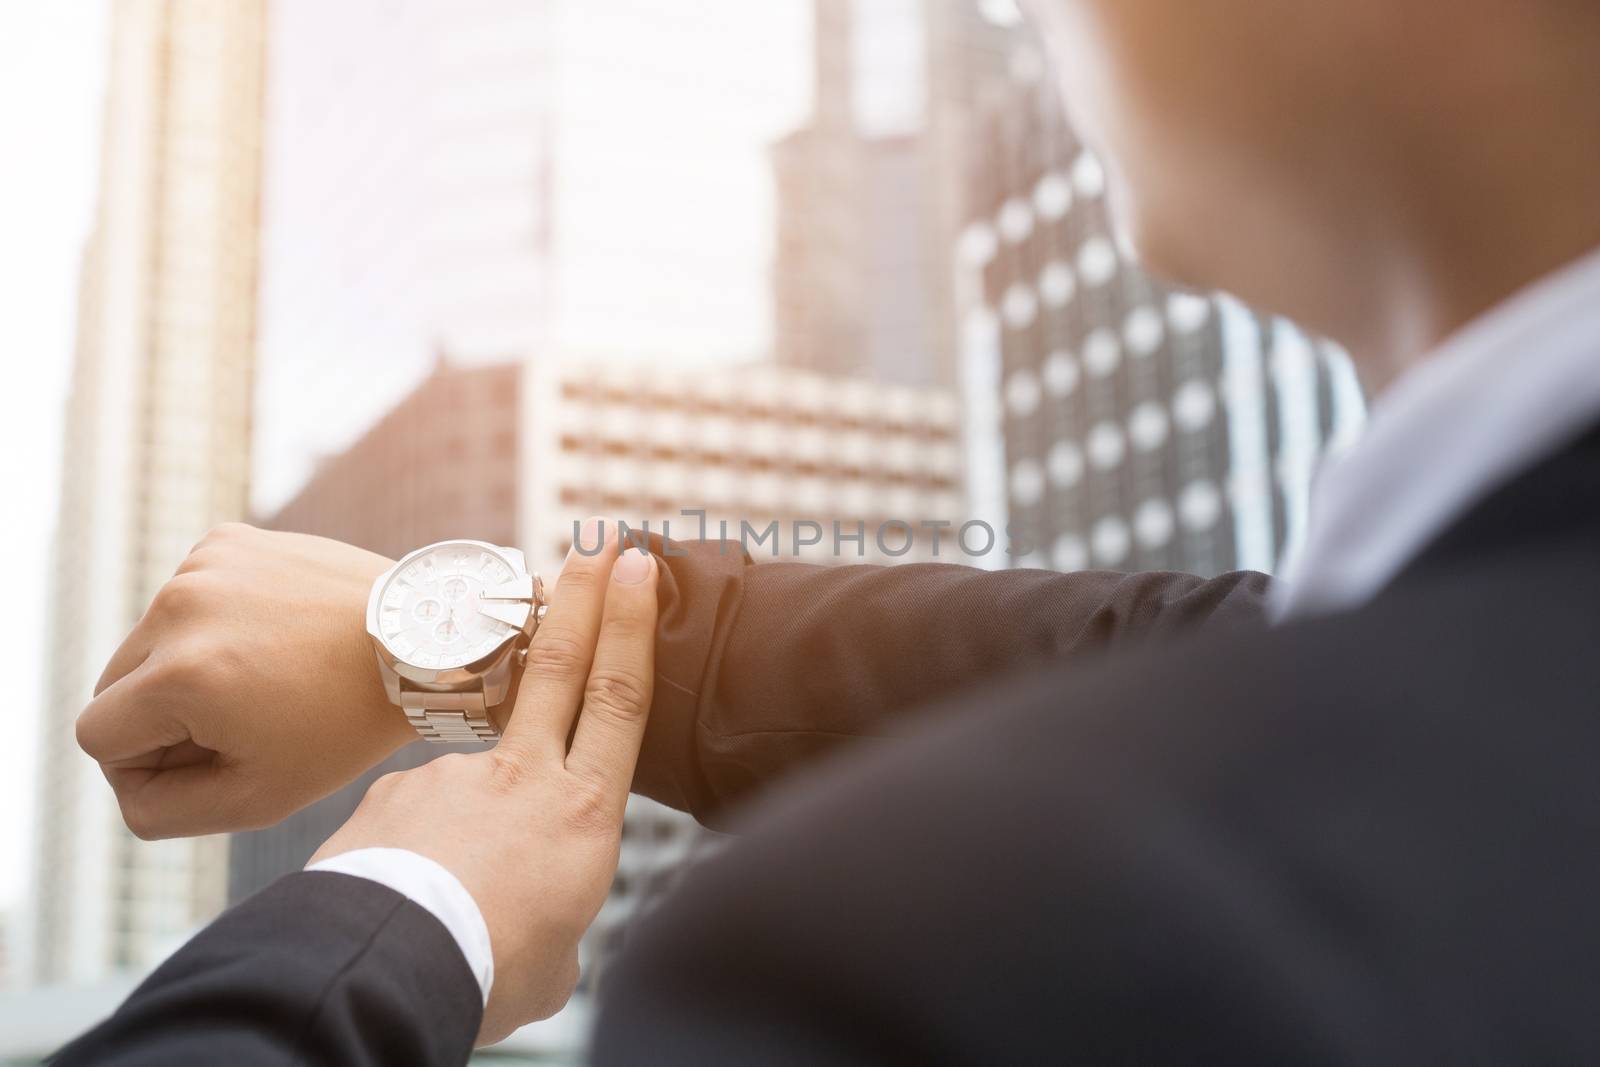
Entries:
{"x":318,"y":968}
{"x":1370,"y":838}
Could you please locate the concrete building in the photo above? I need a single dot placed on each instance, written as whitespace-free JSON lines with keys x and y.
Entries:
{"x":862,"y":280}
{"x":873,"y":190}
{"x":1139,"y":427}
{"x":442,"y":464}
{"x":753,"y":444}
{"x":157,"y":448}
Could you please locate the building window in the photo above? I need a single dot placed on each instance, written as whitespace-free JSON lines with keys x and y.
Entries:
{"x":1107,"y":446}
{"x":1056,"y":284}
{"x":1066,"y":464}
{"x":1148,"y":426}
{"x":1015,"y":221}
{"x":1154,"y":524}
{"x":1023,"y":394}
{"x":1027,"y":483}
{"x":1088,"y":176}
{"x":1052,"y":197}
{"x":1111,"y":541}
{"x":1061,"y":374}
{"x":1021,"y":307}
{"x":1102,"y":353}
{"x":1069,"y":553}
{"x":1200,"y":506}
{"x":1188,"y":313}
{"x":1097,"y":261}
{"x":1144,"y":331}
{"x":1194,"y":406}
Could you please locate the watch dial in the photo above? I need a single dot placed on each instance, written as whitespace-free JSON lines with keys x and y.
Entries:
{"x":429,"y":614}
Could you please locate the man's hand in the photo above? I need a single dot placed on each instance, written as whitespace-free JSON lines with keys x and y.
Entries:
{"x":532,"y":828}
{"x":248,"y":690}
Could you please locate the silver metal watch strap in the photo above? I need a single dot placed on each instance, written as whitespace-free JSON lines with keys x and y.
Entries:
{"x":448,"y":718}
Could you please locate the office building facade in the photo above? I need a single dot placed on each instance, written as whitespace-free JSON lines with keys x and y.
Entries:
{"x":862,"y":271}
{"x":157,"y":448}
{"x":1139,"y":427}
{"x":753,"y":444}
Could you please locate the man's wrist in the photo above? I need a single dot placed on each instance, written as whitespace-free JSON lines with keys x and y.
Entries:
{"x":388,"y":723}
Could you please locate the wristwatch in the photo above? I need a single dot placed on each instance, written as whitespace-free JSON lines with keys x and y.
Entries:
{"x":451,"y":623}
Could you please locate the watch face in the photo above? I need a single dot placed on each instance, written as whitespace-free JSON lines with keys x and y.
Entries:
{"x":428,"y":613}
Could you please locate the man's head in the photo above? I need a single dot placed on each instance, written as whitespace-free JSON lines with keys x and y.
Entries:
{"x":1324,"y":158}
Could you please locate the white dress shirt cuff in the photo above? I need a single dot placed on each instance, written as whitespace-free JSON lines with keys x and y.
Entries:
{"x":431,"y":887}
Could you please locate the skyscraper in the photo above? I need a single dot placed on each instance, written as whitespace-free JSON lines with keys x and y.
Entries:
{"x":1141,"y":427}
{"x":157,"y":444}
{"x":862,"y":280}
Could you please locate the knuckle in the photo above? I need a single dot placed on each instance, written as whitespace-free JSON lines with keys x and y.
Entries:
{"x":627,"y":621}
{"x":86,"y":731}
{"x":588,"y":809}
{"x":202,"y":557}
{"x":556,"y":653}
{"x":217,"y":534}
{"x":226,"y":531}
{"x":181,"y":595}
{"x":508,"y":767}
{"x":386,"y":783}
{"x":580,"y":577}
{"x":189,"y":665}
{"x":616,"y":692}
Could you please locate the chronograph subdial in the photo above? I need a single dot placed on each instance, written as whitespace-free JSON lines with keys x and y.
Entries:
{"x":433,"y":612}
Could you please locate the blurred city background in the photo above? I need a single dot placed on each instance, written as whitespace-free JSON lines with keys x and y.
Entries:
{"x":400,"y":270}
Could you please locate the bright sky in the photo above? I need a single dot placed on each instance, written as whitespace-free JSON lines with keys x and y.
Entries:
{"x":405,"y":186}
{"x":52,"y":73}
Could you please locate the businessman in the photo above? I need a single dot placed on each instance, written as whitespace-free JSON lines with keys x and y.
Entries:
{"x":1363,"y":834}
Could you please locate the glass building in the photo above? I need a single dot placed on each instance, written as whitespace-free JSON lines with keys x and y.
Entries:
{"x":1140,"y":427}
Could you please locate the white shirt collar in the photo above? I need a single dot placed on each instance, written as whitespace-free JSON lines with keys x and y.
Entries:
{"x":1514,"y":386}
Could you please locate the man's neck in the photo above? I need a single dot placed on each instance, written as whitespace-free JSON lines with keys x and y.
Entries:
{"x":1486,"y":185}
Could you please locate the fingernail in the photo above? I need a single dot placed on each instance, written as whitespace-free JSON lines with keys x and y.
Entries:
{"x":633,"y":567}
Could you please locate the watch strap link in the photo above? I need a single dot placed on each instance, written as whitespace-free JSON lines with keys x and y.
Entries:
{"x":448,"y":718}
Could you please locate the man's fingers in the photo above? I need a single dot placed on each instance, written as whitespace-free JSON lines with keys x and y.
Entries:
{"x":172,"y":801}
{"x":128,"y":657}
{"x":562,"y":649}
{"x":129,"y":720}
{"x":616,"y":699}
{"x":181,"y":598}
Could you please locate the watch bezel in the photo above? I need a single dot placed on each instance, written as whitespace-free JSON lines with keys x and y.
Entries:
{"x":442,"y":676}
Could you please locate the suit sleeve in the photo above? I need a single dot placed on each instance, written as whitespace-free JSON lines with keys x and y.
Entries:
{"x":318,"y":968}
{"x":762,"y":668}
{"x":1035,"y":887}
